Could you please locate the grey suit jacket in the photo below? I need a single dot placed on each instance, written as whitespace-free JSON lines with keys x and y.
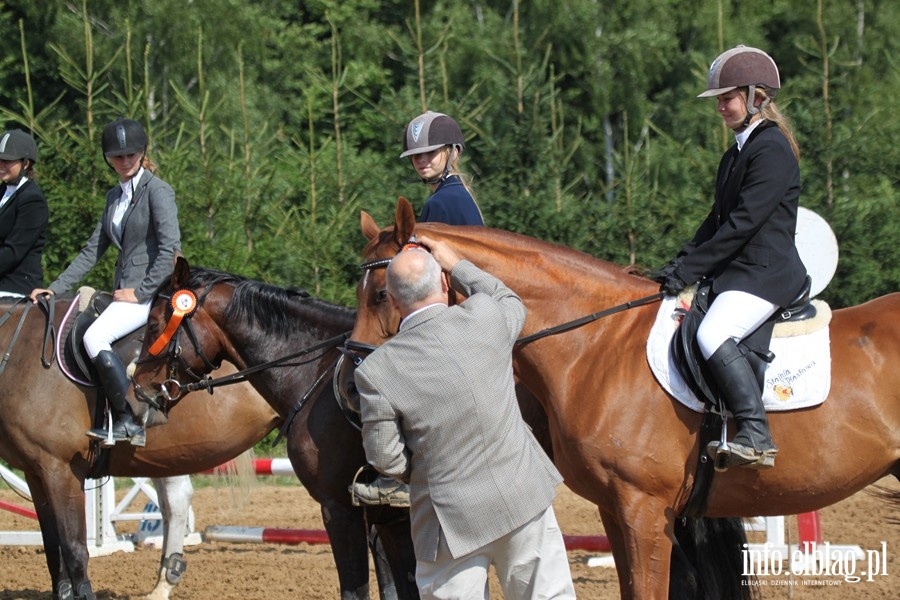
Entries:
{"x":439,"y":410}
{"x":150,"y":239}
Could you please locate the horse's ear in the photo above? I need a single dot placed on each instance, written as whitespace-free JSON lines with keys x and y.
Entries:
{"x":404,"y":220}
{"x":369,"y":228}
{"x":182,"y":272}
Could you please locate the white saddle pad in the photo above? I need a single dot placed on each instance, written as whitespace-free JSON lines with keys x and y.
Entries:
{"x":799,"y":377}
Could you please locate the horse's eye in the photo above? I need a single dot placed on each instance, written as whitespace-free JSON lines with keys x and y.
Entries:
{"x":381,"y":296}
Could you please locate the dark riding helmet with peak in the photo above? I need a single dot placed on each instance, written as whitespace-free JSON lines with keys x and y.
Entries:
{"x":743,"y":67}
{"x":123,"y":136}
{"x":15,"y":144}
{"x":431,"y":131}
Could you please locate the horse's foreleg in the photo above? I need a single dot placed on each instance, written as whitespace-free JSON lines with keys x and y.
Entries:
{"x":642,"y":547}
{"x":175,"y":495}
{"x":393,"y":554}
{"x":346,"y":528}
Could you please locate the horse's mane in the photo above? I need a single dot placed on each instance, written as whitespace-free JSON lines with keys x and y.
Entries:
{"x":265,"y":305}
{"x":545,"y":248}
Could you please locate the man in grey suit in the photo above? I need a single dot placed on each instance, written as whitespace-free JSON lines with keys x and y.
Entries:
{"x":439,"y":411}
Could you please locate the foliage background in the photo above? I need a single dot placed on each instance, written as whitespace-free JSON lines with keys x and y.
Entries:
{"x":276,"y":122}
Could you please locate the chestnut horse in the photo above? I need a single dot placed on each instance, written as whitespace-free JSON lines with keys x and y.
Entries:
{"x":285,"y":342}
{"x":618,"y":438}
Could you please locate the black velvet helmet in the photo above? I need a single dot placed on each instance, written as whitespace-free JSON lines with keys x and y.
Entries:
{"x":16,"y":145}
{"x":123,"y":136}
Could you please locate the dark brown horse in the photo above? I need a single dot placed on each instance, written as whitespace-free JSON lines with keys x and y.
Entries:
{"x":43,"y":419}
{"x":268,"y":332}
{"x":618,"y":438}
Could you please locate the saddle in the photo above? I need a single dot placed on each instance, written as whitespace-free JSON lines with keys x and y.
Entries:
{"x":74,"y":360}
{"x":686,"y":353}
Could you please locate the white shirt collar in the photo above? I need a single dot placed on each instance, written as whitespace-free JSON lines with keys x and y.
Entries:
{"x":742,"y":136}
{"x":128,"y":186}
{"x":415,"y":312}
{"x":10,"y":190}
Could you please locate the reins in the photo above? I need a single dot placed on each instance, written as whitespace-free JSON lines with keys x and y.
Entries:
{"x":240,"y":376}
{"x":48,"y":331}
{"x":563,"y":327}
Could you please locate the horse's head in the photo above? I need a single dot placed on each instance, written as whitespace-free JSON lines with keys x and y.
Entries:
{"x":180,"y":343}
{"x":377,"y":319}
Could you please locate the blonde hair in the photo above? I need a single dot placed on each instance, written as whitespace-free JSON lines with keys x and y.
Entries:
{"x":463,"y":176}
{"x":770,"y":112}
{"x":148,"y":163}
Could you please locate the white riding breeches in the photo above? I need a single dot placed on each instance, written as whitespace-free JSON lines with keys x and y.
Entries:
{"x":118,"y":320}
{"x":733,"y":315}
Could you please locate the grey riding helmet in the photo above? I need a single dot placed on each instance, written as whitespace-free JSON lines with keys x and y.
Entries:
{"x":123,"y":136}
{"x":430,"y":131}
{"x":15,"y":144}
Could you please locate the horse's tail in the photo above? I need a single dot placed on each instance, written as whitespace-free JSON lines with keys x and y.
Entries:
{"x":707,"y":560}
{"x":890,"y":496}
{"x":239,"y":477}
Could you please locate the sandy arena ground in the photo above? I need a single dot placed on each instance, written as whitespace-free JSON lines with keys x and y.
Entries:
{"x":255,"y":571}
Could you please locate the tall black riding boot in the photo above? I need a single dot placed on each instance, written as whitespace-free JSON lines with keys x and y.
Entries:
{"x":115,"y":383}
{"x":737,"y":382}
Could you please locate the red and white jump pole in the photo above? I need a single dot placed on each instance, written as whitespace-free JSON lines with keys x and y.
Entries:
{"x":271,"y":535}
{"x":809,"y":526}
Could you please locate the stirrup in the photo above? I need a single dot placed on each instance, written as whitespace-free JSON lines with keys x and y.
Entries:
{"x":724,"y":457}
{"x":104,"y":436}
{"x":382,"y":491}
{"x":107,"y":437}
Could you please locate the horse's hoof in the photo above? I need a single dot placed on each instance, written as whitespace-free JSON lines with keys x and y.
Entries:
{"x":64,"y":591}
{"x":85,"y":592}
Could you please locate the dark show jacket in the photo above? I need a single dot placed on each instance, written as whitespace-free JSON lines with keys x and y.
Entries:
{"x":451,"y":203}
{"x":746,"y":243}
{"x":23,"y":234}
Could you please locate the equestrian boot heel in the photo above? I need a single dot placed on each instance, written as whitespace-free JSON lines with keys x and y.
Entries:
{"x":752,"y":445}
{"x":115,"y":383}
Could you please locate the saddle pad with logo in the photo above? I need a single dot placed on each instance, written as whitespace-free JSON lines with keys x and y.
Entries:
{"x":799,"y":377}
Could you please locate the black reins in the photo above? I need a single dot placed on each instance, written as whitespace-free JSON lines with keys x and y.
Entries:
{"x":590,"y":318}
{"x":240,"y":376}
{"x":49,"y":330}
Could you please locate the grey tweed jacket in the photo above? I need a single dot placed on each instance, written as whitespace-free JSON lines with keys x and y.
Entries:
{"x":439,"y":410}
{"x":150,"y":239}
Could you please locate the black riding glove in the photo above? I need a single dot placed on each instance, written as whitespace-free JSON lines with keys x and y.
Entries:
{"x":663,"y":273}
{"x":673,"y":284}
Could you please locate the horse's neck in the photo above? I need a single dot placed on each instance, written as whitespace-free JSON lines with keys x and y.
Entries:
{"x":556,"y":284}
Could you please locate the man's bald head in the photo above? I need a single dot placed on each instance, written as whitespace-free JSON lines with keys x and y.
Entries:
{"x":414,"y":280}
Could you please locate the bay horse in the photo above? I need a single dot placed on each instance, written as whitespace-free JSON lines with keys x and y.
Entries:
{"x":266,"y":331}
{"x":43,"y":420}
{"x":618,"y":438}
